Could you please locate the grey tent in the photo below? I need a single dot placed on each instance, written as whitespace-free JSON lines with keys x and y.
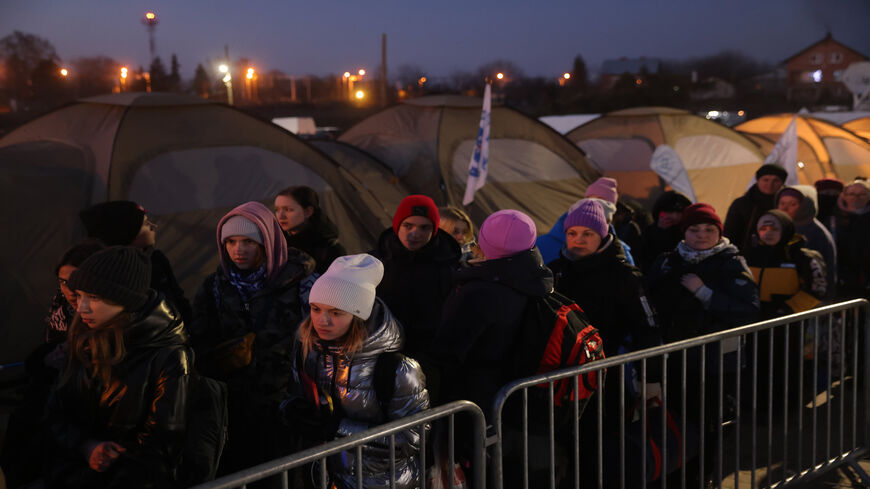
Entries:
{"x":428,"y":142}
{"x":186,"y":161}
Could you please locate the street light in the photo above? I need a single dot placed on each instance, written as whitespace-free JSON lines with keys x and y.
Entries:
{"x":500,"y":76}
{"x":228,"y":81}
{"x":150,"y":21}
{"x":362,"y":72}
{"x":123,"y":78}
{"x":223,"y":68}
{"x":360,"y":95}
{"x":64,"y":72}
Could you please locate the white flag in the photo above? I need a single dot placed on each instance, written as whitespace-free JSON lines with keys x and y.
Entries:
{"x":478,"y":165}
{"x":784,"y":153}
{"x":668,"y":165}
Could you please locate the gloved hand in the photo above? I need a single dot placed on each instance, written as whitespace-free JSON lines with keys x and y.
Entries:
{"x":311,"y":421}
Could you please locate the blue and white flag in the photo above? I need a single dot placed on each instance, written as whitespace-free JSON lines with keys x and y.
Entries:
{"x":668,"y":165}
{"x":478,"y":166}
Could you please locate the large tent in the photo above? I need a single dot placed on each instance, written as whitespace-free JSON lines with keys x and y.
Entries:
{"x":715,"y":162}
{"x":825,"y":149}
{"x":186,"y":161}
{"x":428,"y":143}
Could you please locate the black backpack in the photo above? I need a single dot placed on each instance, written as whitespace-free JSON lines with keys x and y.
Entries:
{"x":207,"y":421}
{"x":556,"y":334}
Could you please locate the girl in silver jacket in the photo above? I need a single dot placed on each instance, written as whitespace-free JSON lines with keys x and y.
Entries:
{"x":337,"y":348}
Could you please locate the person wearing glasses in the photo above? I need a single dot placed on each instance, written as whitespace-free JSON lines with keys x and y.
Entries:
{"x":125,"y":223}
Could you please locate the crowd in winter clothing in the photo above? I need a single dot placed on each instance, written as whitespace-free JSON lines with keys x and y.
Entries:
{"x":300,"y":333}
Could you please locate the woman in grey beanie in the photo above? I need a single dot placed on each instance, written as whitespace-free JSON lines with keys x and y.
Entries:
{"x":334,"y":391}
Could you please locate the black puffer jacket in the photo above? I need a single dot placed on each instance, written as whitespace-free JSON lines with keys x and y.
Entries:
{"x":273,"y":314}
{"x":683,"y":315}
{"x":743,"y":216}
{"x":416,"y":284}
{"x":611,"y":293}
{"x":144,"y":409}
{"x":319,"y":238}
{"x":480,"y":328}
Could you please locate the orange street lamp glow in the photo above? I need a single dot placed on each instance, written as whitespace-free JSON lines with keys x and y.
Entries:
{"x":359,"y":94}
{"x":150,"y":15}
{"x":567,"y":76}
{"x":64,"y":72}
{"x":362,"y":72}
{"x":422,"y":80}
{"x":347,"y":74}
{"x":500,"y":76}
{"x":124,"y":72}
{"x":250,"y":74}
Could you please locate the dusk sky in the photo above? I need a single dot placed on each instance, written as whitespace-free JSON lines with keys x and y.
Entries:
{"x":332,"y":36}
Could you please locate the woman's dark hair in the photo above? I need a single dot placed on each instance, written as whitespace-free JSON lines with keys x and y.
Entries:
{"x":304,"y":196}
{"x":78,"y":252}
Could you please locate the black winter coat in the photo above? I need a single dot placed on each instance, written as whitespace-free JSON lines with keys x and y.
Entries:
{"x":743,"y":216}
{"x":682,"y":315}
{"x":273,"y":314}
{"x":416,"y":284}
{"x":852,"y":233}
{"x":481,"y":325}
{"x":319,"y":238}
{"x":611,"y":293}
{"x":144,"y":409}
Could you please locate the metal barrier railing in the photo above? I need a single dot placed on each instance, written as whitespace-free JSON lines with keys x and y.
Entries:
{"x":356,"y":442}
{"x":828,"y":356}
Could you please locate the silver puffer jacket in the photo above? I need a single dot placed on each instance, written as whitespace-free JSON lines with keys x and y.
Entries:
{"x":350,"y":380}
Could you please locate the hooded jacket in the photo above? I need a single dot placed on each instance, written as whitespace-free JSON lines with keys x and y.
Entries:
{"x":852,"y":234}
{"x":416,"y":284}
{"x":732,"y":298}
{"x":349,"y":380}
{"x":272,"y":313}
{"x":481,"y":324}
{"x":551,"y":244}
{"x":144,"y":409}
{"x":790,"y":277}
{"x":318,"y":237}
{"x":611,"y":293}
{"x":743,"y":214}
{"x":817,"y":236}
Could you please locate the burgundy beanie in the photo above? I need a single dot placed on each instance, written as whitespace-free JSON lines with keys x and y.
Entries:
{"x":604,"y":188}
{"x":829,"y":184}
{"x":115,"y":223}
{"x":590,"y":213}
{"x":699,"y":214}
{"x":416,"y":205}
{"x":505,"y":233}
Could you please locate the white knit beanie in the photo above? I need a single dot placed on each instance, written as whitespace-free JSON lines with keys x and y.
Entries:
{"x":241,"y":226}
{"x":349,"y":284}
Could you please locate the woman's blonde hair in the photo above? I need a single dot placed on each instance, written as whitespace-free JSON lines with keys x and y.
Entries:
{"x":98,"y":350}
{"x":450,"y":216}
{"x":349,"y":344}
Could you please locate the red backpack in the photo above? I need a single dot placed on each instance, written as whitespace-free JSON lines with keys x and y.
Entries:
{"x":556,"y":334}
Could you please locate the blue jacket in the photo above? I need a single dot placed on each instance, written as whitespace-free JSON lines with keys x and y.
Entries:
{"x":551,"y":244}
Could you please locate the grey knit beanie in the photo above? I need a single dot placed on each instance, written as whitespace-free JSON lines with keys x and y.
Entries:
{"x":120,"y":274}
{"x":241,"y":226}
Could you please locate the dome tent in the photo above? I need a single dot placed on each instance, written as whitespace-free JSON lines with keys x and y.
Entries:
{"x":186,"y":161}
{"x":719,"y":162}
{"x":860,"y":126}
{"x":428,"y":142}
{"x":826,"y":149}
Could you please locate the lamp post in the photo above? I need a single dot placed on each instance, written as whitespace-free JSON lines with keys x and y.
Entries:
{"x":150,"y":21}
{"x":123,"y":78}
{"x":228,"y":81}
{"x":250,"y":76}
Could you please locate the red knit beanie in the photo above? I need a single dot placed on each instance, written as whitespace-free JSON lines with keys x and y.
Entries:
{"x":416,"y":205}
{"x":700,"y":214}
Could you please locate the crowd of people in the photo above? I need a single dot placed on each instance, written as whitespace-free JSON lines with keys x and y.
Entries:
{"x":315,"y":344}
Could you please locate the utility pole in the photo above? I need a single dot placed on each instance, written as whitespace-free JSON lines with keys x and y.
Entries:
{"x":383,"y":70}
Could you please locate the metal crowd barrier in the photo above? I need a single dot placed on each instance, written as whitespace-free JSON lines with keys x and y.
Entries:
{"x":818,"y":424}
{"x":355,"y":442}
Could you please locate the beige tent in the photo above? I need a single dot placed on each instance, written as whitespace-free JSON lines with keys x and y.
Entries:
{"x":428,"y":143}
{"x":718,"y":163}
{"x":185,"y":160}
{"x":860,"y":127}
{"x":824,"y":149}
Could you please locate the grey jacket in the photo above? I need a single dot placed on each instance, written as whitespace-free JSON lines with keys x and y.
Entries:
{"x":350,"y":382}
{"x":817,"y":236}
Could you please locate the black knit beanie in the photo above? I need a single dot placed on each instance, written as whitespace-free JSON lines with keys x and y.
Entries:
{"x":771,"y":169}
{"x":120,"y":274}
{"x":117,"y":222}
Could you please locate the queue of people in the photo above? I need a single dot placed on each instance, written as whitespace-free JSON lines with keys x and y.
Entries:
{"x":302,"y":333}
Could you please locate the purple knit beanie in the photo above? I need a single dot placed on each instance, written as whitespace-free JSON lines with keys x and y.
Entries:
{"x":604,"y":188}
{"x":590,"y":213}
{"x":505,"y":233}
